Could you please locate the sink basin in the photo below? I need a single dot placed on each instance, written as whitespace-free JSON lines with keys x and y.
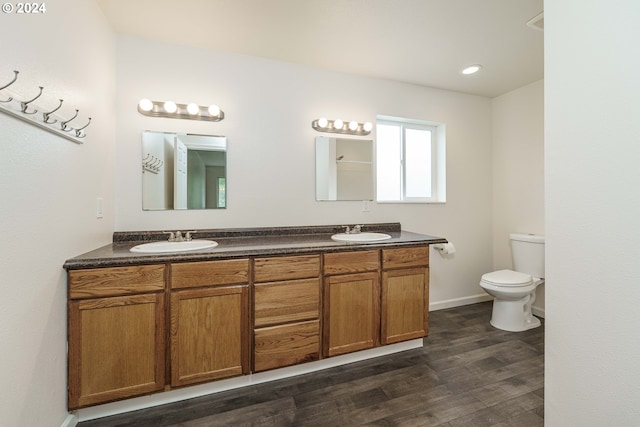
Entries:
{"x":164,"y":247}
{"x":360,"y":237}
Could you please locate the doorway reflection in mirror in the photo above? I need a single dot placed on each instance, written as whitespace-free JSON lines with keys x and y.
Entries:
{"x":194,"y":173}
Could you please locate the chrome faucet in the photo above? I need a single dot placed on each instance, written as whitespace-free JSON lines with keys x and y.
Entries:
{"x":355,"y":230}
{"x":177,"y":237}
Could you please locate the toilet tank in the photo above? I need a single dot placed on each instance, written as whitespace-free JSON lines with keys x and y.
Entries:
{"x":528,"y":254}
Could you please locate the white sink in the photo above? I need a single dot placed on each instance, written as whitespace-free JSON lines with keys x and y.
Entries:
{"x":164,"y":247}
{"x":360,"y":237}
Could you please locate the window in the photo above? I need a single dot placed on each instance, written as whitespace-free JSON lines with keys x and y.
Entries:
{"x":410,"y":159}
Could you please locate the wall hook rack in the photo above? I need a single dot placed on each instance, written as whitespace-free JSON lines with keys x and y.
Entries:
{"x":26,"y":110}
{"x":151,"y":164}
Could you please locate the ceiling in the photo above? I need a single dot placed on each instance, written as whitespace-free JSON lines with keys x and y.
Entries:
{"x":424,"y":42}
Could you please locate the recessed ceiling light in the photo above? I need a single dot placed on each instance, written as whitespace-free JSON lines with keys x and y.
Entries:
{"x":471,"y":69}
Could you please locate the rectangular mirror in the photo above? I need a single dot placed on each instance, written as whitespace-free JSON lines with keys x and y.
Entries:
{"x":344,"y":168}
{"x":183,"y":171}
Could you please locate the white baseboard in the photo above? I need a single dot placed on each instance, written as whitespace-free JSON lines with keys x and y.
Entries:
{"x":177,"y":395}
{"x":70,"y":421}
{"x":457,"y":302}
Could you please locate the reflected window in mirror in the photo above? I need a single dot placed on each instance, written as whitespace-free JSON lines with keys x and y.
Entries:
{"x":189,"y":171}
{"x":344,"y":168}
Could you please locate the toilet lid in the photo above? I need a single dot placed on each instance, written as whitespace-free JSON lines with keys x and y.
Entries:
{"x":507,"y":278}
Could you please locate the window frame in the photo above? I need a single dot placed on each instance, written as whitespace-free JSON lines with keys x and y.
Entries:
{"x":438,"y":158}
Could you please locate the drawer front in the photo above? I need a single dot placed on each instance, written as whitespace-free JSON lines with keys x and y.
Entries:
{"x":98,"y":282}
{"x":283,"y":302}
{"x":351,"y":262}
{"x":208,"y":273}
{"x":269,"y":269}
{"x":405,"y":257}
{"x":286,"y":345}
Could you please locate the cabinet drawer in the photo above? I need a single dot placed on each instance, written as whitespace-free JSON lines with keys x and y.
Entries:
{"x":97,"y":282}
{"x":285,"y":268}
{"x":286,"y":345}
{"x":282,"y":302}
{"x":195,"y":274}
{"x":351,"y":262}
{"x":405,"y":257}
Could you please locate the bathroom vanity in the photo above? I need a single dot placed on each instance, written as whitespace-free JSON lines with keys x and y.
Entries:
{"x":262,"y":299}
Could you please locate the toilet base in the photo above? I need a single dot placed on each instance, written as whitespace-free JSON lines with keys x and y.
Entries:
{"x":514,"y":316}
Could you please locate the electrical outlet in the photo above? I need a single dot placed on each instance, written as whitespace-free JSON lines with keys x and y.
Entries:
{"x":365,"y":206}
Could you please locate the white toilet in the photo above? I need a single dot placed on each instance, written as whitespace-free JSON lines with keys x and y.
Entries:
{"x":515,"y":291}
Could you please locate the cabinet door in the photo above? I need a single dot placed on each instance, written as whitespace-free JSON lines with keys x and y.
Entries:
{"x":405,"y":304}
{"x":116,"y":348}
{"x":209,"y":334}
{"x":352,"y":313}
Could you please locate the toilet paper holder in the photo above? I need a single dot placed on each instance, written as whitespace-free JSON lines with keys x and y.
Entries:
{"x":445,"y":248}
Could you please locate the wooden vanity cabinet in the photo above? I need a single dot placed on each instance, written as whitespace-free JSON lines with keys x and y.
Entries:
{"x":209,"y":336}
{"x":351,"y":302}
{"x":405,"y":294}
{"x":136,"y":330}
{"x":116,"y":333}
{"x":286,"y":329}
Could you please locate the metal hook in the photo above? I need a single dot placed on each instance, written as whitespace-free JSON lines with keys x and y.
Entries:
{"x":15,"y":77}
{"x":46,"y":115}
{"x":79,"y":133}
{"x":63,"y":125}
{"x":24,"y":104}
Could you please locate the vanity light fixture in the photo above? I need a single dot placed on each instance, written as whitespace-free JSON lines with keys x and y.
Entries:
{"x":170,"y":109}
{"x":338,"y":126}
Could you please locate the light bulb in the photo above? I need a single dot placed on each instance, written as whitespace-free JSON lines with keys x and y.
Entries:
{"x":353,"y":125}
{"x":338,"y":124}
{"x":193,"y":109}
{"x":472,"y":69}
{"x":323,"y":122}
{"x":170,"y":107}
{"x":214,"y":110}
{"x":367,"y":126}
{"x":145,"y":104}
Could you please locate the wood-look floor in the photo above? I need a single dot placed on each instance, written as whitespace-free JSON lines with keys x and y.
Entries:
{"x":467,"y":374}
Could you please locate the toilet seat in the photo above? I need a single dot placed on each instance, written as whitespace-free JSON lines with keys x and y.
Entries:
{"x":507,"y":278}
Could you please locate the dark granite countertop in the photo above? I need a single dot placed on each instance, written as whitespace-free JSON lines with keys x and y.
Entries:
{"x":244,"y":242}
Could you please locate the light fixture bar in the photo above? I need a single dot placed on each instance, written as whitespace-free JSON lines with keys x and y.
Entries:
{"x":340,"y":126}
{"x":169,"y":109}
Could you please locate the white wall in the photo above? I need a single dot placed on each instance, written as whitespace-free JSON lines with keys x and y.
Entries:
{"x":592,"y":158}
{"x":269,"y":107}
{"x":49,"y":187}
{"x":518,"y":171}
